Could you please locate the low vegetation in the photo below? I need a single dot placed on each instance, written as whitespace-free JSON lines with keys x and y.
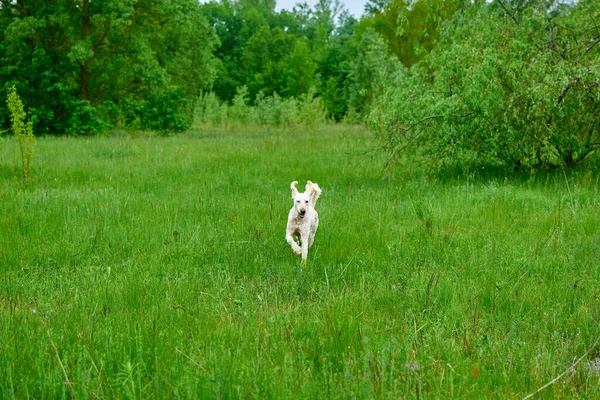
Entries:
{"x":22,"y":129}
{"x":268,"y":111}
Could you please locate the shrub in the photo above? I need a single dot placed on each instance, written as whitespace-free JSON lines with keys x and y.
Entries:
{"x":310,"y":110}
{"x":85,"y":119}
{"x":273,"y":110}
{"x":507,"y":88}
{"x":277,"y":111}
{"x":168,"y":112}
{"x":209,"y":110}
{"x":240,"y":110}
{"x":23,"y":132}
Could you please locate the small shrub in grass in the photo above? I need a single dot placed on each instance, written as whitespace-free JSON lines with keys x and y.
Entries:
{"x":167,"y":112}
{"x":85,"y":119}
{"x":260,"y":109}
{"x":239,"y":112}
{"x":288,"y":111}
{"x":266,"y":110}
{"x":310,"y":110}
{"x":23,"y":131}
{"x":273,"y":110}
{"x":209,"y":110}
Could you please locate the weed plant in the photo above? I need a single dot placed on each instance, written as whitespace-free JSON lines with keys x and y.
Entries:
{"x":23,"y":132}
{"x":156,"y":267}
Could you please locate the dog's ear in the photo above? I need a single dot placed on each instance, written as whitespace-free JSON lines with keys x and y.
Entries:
{"x":294,"y":190}
{"x":309,"y":187}
{"x":315,"y":193}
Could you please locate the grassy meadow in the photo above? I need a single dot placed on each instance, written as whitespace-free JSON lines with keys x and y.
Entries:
{"x":156,"y":267}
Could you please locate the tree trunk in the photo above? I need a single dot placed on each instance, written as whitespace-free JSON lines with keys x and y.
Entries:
{"x":85,"y":31}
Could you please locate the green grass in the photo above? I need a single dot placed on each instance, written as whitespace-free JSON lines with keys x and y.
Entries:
{"x":156,"y":267}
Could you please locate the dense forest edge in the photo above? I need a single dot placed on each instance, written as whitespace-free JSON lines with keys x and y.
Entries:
{"x":447,"y":83}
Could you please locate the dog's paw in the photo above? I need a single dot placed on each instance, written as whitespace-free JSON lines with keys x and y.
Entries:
{"x":297,"y":250}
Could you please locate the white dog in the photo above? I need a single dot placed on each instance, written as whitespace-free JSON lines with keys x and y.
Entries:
{"x":303,"y":219}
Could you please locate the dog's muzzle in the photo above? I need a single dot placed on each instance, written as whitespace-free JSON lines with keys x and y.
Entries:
{"x":302,"y":214}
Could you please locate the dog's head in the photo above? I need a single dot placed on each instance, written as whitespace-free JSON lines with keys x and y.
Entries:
{"x":301,"y":200}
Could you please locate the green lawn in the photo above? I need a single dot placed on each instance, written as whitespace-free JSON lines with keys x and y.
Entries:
{"x":157,"y":267}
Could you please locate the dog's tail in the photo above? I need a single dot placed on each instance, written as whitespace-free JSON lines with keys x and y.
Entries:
{"x":316,"y":192}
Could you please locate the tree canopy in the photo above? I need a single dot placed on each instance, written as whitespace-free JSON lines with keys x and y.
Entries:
{"x":508,"y":82}
{"x":82,"y":64}
{"x":510,"y":85}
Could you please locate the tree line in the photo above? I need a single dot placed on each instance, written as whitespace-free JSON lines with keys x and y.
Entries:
{"x":84,"y":66}
{"x":508,"y":82}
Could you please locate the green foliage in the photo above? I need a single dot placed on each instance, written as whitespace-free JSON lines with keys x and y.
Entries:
{"x":90,"y":65}
{"x":209,"y":110}
{"x":371,"y":69}
{"x":333,"y":98}
{"x":240,"y":110}
{"x":22,"y":128}
{"x":271,"y":111}
{"x":411,"y":29}
{"x":86,"y":119}
{"x":169,"y":111}
{"x":288,"y":53}
{"x":335,"y":62}
{"x":275,"y":110}
{"x":508,"y":88}
{"x":311,"y":112}
{"x":239,"y":24}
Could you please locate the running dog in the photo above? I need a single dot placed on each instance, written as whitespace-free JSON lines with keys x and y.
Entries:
{"x":303,"y":219}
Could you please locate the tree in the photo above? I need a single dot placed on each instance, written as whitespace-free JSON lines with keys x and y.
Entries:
{"x":371,"y":70}
{"x":508,"y":86}
{"x":286,"y":53}
{"x":239,"y":25}
{"x":83,"y":64}
{"x":411,"y":29}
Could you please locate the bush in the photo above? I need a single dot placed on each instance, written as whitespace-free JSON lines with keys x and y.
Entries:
{"x":310,"y":110}
{"x":168,"y":112}
{"x":85,"y":119}
{"x":274,"y":111}
{"x":508,"y":88}
{"x":209,"y":110}
{"x":240,"y":110}
{"x":23,"y":132}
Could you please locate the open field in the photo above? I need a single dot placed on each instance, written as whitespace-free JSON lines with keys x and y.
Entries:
{"x":156,"y":267}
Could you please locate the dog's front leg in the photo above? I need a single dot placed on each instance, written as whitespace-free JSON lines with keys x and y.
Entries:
{"x":290,"y":239}
{"x":304,"y":242}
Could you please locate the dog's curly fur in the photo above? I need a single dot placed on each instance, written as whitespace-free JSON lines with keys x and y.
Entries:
{"x":303,"y":219}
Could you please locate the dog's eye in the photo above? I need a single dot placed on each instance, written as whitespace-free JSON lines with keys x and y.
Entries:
{"x":306,"y":201}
